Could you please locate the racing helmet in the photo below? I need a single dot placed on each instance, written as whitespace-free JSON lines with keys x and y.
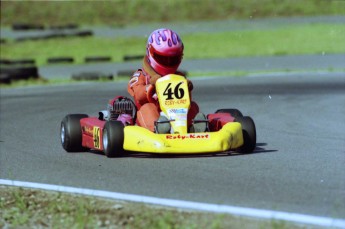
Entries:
{"x":164,"y":51}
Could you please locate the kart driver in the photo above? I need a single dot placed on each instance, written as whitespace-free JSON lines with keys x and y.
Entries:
{"x":164,"y":52}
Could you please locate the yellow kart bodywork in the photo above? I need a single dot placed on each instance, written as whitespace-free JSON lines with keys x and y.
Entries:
{"x":139,"y":139}
{"x":174,"y":99}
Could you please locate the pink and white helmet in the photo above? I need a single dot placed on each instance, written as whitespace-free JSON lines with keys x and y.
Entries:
{"x":164,"y":51}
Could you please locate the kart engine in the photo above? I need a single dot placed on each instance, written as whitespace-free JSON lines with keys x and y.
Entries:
{"x":121,"y":105}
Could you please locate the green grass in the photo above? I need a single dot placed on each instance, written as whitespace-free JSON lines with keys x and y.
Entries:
{"x":123,"y":12}
{"x":31,"y":208}
{"x":289,"y":40}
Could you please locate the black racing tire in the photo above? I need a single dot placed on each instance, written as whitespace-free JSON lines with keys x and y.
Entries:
{"x":249,"y":134}
{"x":24,"y":61}
{"x":113,"y":138}
{"x":18,"y":62}
{"x":71,"y":133}
{"x":5,"y":78}
{"x":5,"y":62}
{"x":234,"y":112}
{"x":89,"y":59}
{"x":57,"y":60}
{"x":24,"y":26}
{"x":84,"y":33}
{"x":132,"y":57}
{"x":62,"y":27}
{"x":20,"y":72}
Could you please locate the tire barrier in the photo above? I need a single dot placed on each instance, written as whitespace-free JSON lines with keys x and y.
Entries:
{"x":135,"y":57}
{"x":84,"y":33}
{"x":61,"y":27}
{"x":59,"y":60}
{"x":24,"y":26}
{"x":14,"y":62}
{"x":5,"y":78}
{"x":11,"y":73}
{"x":5,"y":61}
{"x":58,"y":34}
{"x":97,"y":59}
{"x":92,"y":76}
{"x":55,"y":60}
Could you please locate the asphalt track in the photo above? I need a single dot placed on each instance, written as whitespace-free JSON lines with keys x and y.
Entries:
{"x":298,"y":164}
{"x":262,"y":64}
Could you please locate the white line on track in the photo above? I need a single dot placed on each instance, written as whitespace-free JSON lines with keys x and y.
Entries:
{"x":239,"y":211}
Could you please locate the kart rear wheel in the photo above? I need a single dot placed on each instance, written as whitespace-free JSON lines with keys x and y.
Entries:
{"x":113,"y":138}
{"x":249,"y":134}
{"x":71,"y":134}
{"x":234,"y":112}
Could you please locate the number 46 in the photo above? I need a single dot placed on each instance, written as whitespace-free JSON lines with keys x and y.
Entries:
{"x":178,"y":92}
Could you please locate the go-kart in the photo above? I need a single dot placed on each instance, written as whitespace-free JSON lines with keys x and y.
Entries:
{"x":226,"y":129}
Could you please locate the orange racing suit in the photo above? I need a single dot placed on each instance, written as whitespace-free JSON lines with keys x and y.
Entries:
{"x":138,"y":86}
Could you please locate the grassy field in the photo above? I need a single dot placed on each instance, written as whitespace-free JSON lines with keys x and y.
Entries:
{"x":31,"y":208}
{"x":289,"y":40}
{"x":123,"y":12}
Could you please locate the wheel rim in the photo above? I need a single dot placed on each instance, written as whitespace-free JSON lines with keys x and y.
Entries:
{"x":62,"y":134}
{"x":105,"y":139}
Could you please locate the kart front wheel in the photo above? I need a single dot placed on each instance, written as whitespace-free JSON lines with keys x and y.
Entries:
{"x":113,"y":138}
{"x":71,"y":134}
{"x":234,"y":112}
{"x":249,"y":134}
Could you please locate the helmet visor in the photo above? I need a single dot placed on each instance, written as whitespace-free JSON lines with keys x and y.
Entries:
{"x":168,"y":61}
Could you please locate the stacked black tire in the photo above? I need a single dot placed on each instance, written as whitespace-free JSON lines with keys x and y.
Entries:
{"x":13,"y":70}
